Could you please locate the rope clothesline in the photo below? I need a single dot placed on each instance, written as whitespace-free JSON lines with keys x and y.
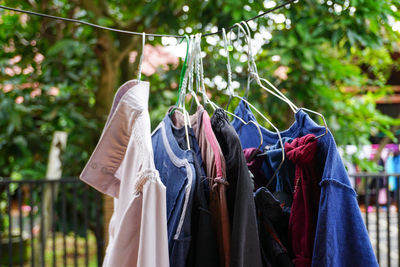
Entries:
{"x":139,"y":33}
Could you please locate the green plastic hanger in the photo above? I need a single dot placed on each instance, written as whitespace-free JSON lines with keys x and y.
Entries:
{"x":183,"y":71}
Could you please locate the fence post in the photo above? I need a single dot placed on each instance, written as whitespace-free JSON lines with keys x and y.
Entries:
{"x":53,"y":172}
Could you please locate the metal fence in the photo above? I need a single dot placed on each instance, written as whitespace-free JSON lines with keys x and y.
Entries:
{"x":50,"y":223}
{"x":379,"y":201}
{"x":60,"y":223}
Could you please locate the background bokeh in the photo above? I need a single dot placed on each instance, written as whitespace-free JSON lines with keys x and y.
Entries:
{"x":336,"y":57}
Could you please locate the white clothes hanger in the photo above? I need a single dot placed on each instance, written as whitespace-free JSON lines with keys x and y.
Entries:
{"x":182,"y":95}
{"x":254,"y":72}
{"x":232,"y":93}
{"x":279,"y":94}
{"x":141,"y":56}
{"x":200,"y":75}
{"x":194,"y":56}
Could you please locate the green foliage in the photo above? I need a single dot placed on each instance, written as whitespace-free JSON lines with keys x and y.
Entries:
{"x":324,"y":48}
{"x":55,"y":80}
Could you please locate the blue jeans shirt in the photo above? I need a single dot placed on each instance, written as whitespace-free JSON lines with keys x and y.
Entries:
{"x":341,"y":237}
{"x":176,"y":168}
{"x":201,"y":248}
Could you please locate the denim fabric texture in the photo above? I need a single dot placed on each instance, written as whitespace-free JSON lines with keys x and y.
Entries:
{"x":272,"y":148}
{"x":245,"y":247}
{"x":176,"y":168}
{"x":284,"y":176}
{"x":213,"y":199}
{"x":341,"y":236}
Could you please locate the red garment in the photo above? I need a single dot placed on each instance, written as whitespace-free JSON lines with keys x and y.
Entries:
{"x":304,"y":213}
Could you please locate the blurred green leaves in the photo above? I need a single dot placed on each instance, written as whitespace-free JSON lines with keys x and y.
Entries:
{"x":324,"y":47}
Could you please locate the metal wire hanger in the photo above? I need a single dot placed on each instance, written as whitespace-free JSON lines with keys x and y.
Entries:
{"x":277,"y":93}
{"x":232,"y":93}
{"x":138,"y":33}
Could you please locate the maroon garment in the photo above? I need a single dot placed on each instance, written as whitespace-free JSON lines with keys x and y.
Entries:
{"x":254,"y":166}
{"x":304,"y":213}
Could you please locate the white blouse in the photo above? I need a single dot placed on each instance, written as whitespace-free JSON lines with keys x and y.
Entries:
{"x":122,"y":166}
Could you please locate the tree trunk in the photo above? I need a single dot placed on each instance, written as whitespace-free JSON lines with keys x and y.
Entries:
{"x":126,"y":70}
{"x":106,"y":54}
{"x":111,"y":60}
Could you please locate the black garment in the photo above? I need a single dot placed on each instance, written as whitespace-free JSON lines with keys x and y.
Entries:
{"x":245,"y":247}
{"x":273,"y":229}
{"x":204,"y":248}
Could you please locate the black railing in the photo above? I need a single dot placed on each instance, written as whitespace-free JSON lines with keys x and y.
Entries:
{"x":50,"y":223}
{"x":66,"y":216}
{"x":379,"y":201}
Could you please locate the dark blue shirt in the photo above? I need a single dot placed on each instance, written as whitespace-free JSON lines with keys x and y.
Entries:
{"x":177,"y":172}
{"x":341,"y":236}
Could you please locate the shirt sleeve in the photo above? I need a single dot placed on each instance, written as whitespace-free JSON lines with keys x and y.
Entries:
{"x":341,"y":236}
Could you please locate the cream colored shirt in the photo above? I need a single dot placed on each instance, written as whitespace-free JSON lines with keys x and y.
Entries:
{"x":122,"y":166}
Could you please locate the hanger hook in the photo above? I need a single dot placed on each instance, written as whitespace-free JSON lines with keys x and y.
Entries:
{"x":183,"y":70}
{"x":250,"y":59}
{"x":254,"y":72}
{"x":141,"y":56}
{"x":186,"y":70}
{"x":229,"y":69}
{"x":228,"y":64}
{"x":252,"y":68}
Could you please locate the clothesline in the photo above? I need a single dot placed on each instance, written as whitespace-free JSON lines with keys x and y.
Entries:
{"x":138,"y":33}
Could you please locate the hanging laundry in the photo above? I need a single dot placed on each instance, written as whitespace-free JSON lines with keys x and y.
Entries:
{"x":339,"y":216}
{"x":273,"y":224}
{"x":341,"y":236}
{"x":177,"y":172}
{"x":284,"y":181}
{"x":245,"y":248}
{"x":304,"y":212}
{"x":204,"y":249}
{"x":282,"y":187}
{"x":254,"y":163}
{"x":122,"y":166}
{"x":218,"y":185}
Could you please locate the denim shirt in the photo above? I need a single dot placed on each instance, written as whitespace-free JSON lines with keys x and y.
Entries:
{"x":201,"y":249}
{"x":341,"y":236}
{"x":176,"y":168}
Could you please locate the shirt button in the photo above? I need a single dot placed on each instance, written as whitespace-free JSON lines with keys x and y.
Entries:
{"x":94,"y":165}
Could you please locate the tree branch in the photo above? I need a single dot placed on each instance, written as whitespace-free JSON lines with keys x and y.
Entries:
{"x":105,"y":10}
{"x":131,"y":25}
{"x":127,"y":43}
{"x":91,"y":6}
{"x":99,"y":10}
